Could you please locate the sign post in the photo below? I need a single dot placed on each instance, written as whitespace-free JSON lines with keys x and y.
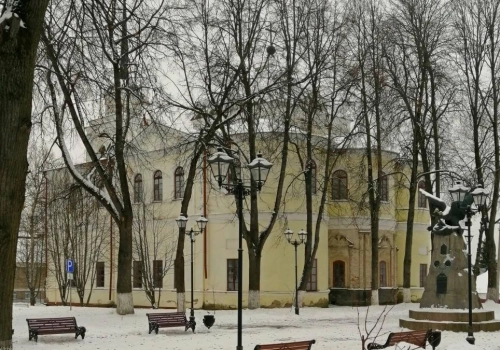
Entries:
{"x":70,"y":267}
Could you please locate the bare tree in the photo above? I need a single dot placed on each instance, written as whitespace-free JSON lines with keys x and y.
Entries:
{"x":477,"y":48}
{"x":367,"y":43}
{"x":20,"y":27}
{"x":154,"y":249}
{"x":58,"y":240}
{"x":88,"y":227}
{"x":323,"y":110}
{"x":97,"y":48}
{"x":491,"y":14}
{"x":226,"y":96}
{"x":31,"y":249}
{"x":416,"y":63}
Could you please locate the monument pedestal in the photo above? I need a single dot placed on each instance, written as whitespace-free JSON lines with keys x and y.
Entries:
{"x":446,"y":284}
{"x":450,"y":320}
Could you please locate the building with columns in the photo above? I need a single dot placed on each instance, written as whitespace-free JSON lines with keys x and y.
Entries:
{"x":341,"y":271}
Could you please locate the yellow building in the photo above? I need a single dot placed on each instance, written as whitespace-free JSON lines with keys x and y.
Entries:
{"x":342,"y":268}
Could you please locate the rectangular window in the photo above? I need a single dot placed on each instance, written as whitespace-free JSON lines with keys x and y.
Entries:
{"x":383,"y":274}
{"x":312,"y":283}
{"x":99,"y":273}
{"x":232,"y":274}
{"x":423,"y":274}
{"x":137,"y":274}
{"x":158,"y":273}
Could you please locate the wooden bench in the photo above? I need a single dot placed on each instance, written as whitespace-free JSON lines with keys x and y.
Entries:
{"x":418,"y":338}
{"x":60,"y":325}
{"x":169,"y":319}
{"x":297,"y":345}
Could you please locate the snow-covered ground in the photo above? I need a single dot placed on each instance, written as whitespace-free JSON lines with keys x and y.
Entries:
{"x":332,"y":328}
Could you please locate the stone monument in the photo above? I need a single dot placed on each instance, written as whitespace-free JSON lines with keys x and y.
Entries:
{"x":446,"y":285}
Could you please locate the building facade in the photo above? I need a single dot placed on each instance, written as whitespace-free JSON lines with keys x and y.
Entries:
{"x":341,"y":271}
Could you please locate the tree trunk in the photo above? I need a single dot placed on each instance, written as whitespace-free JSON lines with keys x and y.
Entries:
{"x":179,"y":275}
{"x":17,"y":62}
{"x":409,"y":224}
{"x":32,"y":298}
{"x":124,"y":300}
{"x":254,"y":261}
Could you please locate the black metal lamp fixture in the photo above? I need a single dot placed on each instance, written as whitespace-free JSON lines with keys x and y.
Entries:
{"x":479,"y":195}
{"x":202,"y":223}
{"x":296,"y":243}
{"x":259,"y":169}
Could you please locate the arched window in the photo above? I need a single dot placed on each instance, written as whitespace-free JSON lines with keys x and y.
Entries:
{"x":339,"y":274}
{"x":339,"y":185}
{"x":312,"y":167}
{"x":138,"y":189}
{"x":384,"y":188}
{"x":179,"y":182}
{"x":383,"y":274}
{"x":422,"y":200}
{"x":157,"y":186}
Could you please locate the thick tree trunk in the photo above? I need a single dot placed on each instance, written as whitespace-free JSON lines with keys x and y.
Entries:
{"x":254,"y":261}
{"x":374,"y":263}
{"x":17,"y":62}
{"x":124,"y":300}
{"x":179,"y":283}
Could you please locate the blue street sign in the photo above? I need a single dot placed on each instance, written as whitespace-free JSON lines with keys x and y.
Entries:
{"x":70,"y":265}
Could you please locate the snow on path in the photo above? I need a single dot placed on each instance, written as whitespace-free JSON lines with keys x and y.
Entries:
{"x":332,"y":328}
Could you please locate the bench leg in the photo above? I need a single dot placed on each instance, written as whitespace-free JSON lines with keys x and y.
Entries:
{"x":156,"y":328}
{"x":80,"y":331}
{"x":33,"y":334}
{"x":151,"y":327}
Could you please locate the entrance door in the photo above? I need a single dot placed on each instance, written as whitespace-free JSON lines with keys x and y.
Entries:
{"x":339,"y":274}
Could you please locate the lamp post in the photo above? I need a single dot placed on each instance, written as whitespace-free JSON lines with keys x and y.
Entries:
{"x":296,"y":243}
{"x":202,"y":223}
{"x":459,"y":193}
{"x":259,"y":169}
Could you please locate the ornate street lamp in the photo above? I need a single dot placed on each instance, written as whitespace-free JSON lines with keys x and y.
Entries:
{"x":296,"y":243}
{"x":459,"y":193}
{"x":259,"y":169}
{"x":202,"y":223}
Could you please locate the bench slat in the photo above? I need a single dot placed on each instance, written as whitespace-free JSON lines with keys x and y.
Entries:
{"x":418,"y":338}
{"x":298,"y":345}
